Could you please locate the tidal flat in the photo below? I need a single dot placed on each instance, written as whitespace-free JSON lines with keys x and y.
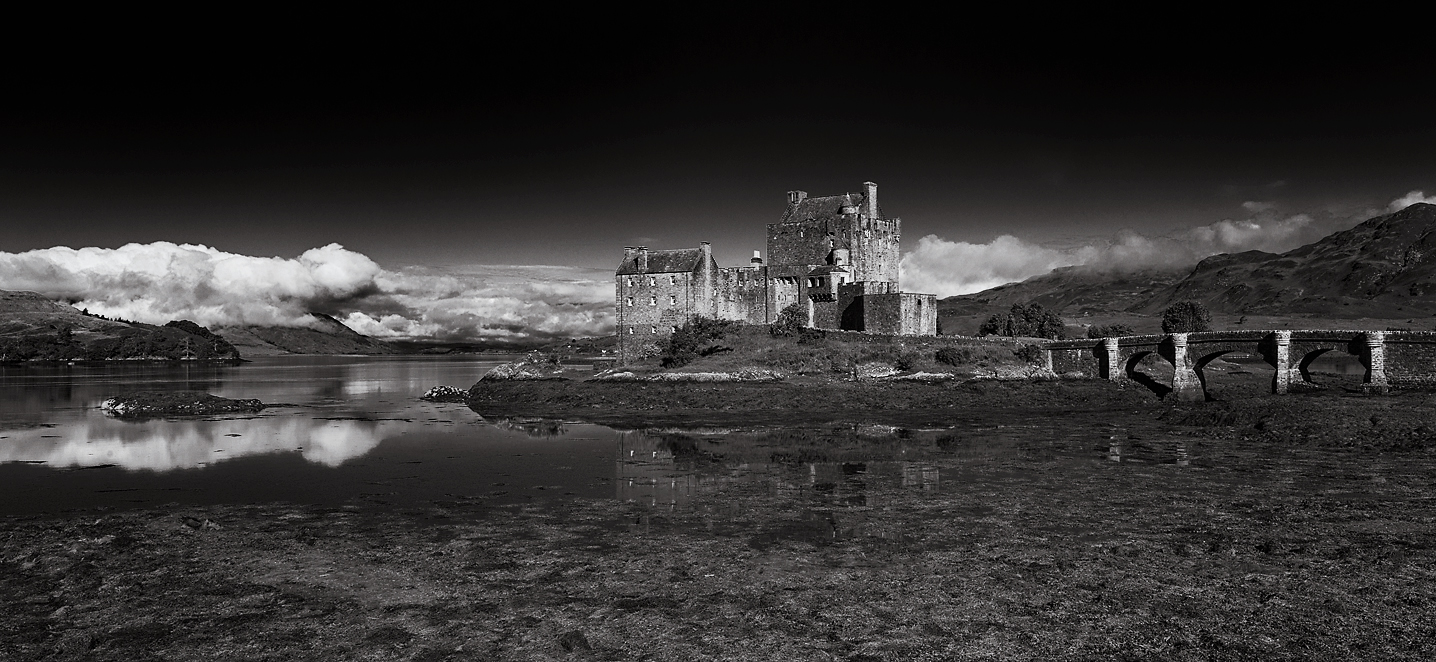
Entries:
{"x":1177,"y":535}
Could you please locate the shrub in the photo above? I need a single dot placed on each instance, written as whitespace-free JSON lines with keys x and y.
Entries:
{"x":953,"y":355}
{"x":906,"y":360}
{"x":1029,"y":321}
{"x":1033,"y":354}
{"x":1186,"y":317}
{"x":693,"y":339}
{"x":808,"y":336}
{"x":1109,"y":331}
{"x":791,"y":321}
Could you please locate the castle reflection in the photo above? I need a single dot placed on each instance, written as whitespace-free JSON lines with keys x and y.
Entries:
{"x":664,"y":471}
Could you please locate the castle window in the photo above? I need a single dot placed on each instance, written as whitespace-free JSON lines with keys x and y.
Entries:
{"x":672,"y":300}
{"x":652,"y":280}
{"x":630,"y":330}
{"x":653,"y":300}
{"x":655,"y":329}
{"x":672,"y":280}
{"x":673,"y":329}
{"x":630,"y":301}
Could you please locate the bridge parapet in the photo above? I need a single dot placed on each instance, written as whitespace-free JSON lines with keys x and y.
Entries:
{"x":1389,"y":357}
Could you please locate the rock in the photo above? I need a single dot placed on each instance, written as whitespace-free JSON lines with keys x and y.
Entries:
{"x":163,"y":403}
{"x":530,"y":368}
{"x":574,"y":640}
{"x":446,"y":394}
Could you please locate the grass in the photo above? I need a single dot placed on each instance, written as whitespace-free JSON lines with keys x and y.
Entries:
{"x":835,"y":354}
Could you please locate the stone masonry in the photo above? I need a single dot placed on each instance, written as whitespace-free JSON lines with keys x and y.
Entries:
{"x":1399,"y":358}
{"x":835,"y":257}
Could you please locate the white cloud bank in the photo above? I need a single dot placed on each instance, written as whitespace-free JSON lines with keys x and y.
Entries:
{"x":948,"y":268}
{"x":159,"y":282}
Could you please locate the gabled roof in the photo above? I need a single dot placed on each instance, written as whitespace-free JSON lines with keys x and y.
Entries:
{"x":825,"y":207}
{"x":682,"y":260}
{"x":829,"y":269}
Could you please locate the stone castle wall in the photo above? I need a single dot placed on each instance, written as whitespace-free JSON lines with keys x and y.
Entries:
{"x":900,"y":314}
{"x":742,"y":293}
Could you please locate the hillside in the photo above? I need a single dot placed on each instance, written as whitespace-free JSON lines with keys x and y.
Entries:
{"x":1384,"y":268}
{"x":329,"y":336}
{"x":33,"y":328}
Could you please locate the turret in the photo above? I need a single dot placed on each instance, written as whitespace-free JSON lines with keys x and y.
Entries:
{"x":870,"y":194}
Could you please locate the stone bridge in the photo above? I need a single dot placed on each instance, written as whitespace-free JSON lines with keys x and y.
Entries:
{"x":1390,"y":357}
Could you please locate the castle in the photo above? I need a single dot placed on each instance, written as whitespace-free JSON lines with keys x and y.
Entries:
{"x":835,"y":256}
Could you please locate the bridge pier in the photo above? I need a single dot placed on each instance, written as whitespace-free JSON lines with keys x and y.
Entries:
{"x":1112,"y":368}
{"x":1281,"y":381}
{"x":1374,"y":381}
{"x":1186,"y":386}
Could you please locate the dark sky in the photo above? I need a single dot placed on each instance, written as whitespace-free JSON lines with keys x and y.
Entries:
{"x":479,"y":138}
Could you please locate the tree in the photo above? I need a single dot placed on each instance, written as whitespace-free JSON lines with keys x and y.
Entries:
{"x":1115,"y":330}
{"x":1028,"y":321}
{"x":1186,"y":317}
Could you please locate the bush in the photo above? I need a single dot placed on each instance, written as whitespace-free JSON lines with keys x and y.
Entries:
{"x":1028,"y":321}
{"x":791,"y":321}
{"x":1033,"y":354}
{"x":953,"y":355}
{"x":692,"y":340}
{"x":1186,"y":317}
{"x":1109,"y":331}
{"x":906,"y":360}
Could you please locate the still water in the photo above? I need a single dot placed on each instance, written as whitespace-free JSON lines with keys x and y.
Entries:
{"x":352,"y":430}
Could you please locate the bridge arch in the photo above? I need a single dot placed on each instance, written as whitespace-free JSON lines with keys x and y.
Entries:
{"x":1153,"y":383}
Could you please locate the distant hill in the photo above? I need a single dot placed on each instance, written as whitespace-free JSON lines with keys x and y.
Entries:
{"x":329,"y":336}
{"x":1383,"y":268}
{"x":34,"y":328}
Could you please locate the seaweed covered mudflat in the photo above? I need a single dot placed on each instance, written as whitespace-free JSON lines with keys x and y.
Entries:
{"x":1201,"y":532}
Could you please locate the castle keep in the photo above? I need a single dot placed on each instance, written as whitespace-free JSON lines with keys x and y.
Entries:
{"x":835,"y":256}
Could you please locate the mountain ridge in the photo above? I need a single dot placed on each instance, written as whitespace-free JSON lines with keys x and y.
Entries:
{"x":1384,"y":267}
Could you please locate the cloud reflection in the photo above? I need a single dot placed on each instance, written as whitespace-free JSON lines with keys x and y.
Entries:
{"x":170,"y":445}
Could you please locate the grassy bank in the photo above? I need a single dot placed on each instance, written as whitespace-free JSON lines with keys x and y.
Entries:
{"x":824,"y":355}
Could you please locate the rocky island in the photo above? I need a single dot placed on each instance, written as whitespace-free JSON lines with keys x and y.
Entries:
{"x":169,"y":403}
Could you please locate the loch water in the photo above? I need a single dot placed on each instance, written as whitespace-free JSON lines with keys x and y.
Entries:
{"x":352,"y":431}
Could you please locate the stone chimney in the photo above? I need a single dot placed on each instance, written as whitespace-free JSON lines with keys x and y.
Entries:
{"x":642,"y":259}
{"x":757,"y":260}
{"x":795,"y":197}
{"x":870,"y":193}
{"x":628,"y":253}
{"x":707,"y":249}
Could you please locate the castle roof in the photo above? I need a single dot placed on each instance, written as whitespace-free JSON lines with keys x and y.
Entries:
{"x":828,"y":269}
{"x":818,"y":208}
{"x":682,"y":260}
